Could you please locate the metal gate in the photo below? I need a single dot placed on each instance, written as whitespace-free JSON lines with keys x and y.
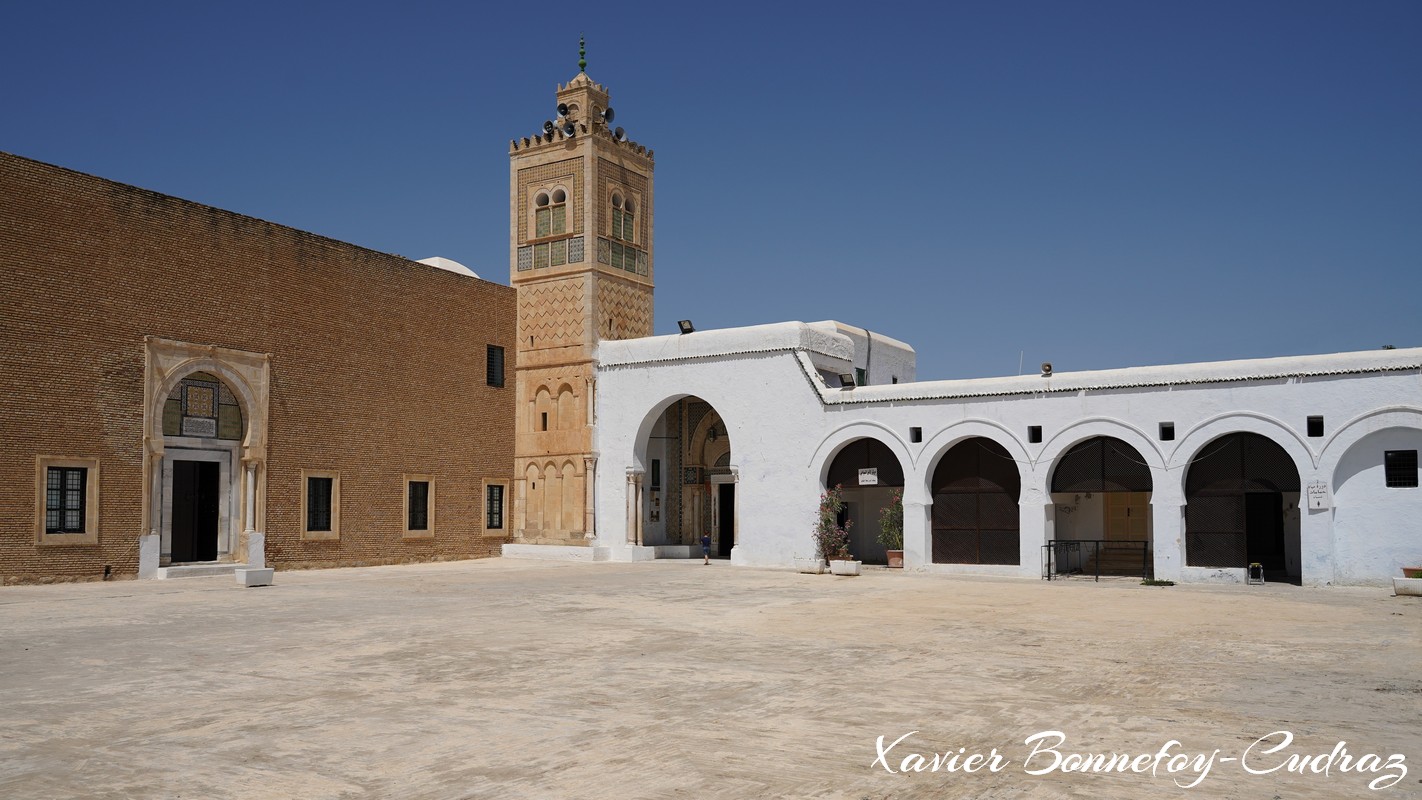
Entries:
{"x":975,"y":516}
{"x":1217,"y":487}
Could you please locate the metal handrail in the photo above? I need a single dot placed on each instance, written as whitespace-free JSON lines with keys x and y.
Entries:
{"x":1065,"y":556}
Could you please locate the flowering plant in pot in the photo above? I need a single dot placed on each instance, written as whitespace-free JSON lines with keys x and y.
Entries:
{"x":891,"y":528}
{"x":831,"y":538}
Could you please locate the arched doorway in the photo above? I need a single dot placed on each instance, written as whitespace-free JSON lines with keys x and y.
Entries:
{"x":1101,"y":491}
{"x":1241,"y":506}
{"x":689,"y":483}
{"x":868,"y":472}
{"x":976,"y":486}
{"x":203,"y":427}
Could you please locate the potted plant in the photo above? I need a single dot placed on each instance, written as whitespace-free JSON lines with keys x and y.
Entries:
{"x":831,"y":538}
{"x":1410,"y":585}
{"x":891,"y":529}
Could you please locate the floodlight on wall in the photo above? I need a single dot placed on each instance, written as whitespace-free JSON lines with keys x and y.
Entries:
{"x":846,"y":380}
{"x":711,"y":433}
{"x":1046,"y":369}
{"x":686,"y":326}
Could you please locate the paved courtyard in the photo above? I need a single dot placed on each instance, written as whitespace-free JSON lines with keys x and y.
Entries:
{"x":509,"y":679}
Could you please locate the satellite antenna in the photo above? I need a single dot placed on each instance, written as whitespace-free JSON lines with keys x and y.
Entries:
{"x":619,"y":135}
{"x":569,"y":129}
{"x":547,"y":126}
{"x":562,"y":109}
{"x":607,"y":114}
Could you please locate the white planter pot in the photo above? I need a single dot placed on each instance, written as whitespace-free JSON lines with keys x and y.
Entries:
{"x":810,"y":566}
{"x":1402,"y":587}
{"x":844,"y":567}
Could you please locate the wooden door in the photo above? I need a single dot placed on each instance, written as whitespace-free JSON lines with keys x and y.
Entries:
{"x":1126,"y":516}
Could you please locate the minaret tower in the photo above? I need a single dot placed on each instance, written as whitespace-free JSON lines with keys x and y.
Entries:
{"x":580,"y":256}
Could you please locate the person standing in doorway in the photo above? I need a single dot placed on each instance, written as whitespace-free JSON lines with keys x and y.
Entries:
{"x":706,"y":548}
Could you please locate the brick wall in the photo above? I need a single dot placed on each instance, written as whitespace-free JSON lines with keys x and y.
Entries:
{"x":377,"y":367}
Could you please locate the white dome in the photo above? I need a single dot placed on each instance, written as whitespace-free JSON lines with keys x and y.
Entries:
{"x":450,"y":265}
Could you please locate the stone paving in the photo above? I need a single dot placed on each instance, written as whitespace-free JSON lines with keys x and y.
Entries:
{"x":509,"y":679}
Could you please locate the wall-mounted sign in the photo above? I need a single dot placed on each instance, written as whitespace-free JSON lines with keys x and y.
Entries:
{"x":1319,"y":497}
{"x":869,"y":476}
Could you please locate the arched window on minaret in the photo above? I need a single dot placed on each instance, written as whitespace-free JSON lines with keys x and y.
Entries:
{"x":550,"y":216}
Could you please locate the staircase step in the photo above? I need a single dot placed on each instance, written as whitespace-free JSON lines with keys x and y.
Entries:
{"x":199,"y":570}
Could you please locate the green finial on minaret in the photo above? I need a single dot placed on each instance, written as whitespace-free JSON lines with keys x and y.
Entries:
{"x":582,"y":54}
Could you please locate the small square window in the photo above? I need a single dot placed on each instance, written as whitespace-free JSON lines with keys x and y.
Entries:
{"x":861,"y":376}
{"x":1315,"y":427}
{"x":494,"y":507}
{"x":419,"y":506}
{"x":915,"y":435}
{"x":1400,"y":468}
{"x":1034,"y":434}
{"x":320,"y":505}
{"x":494,"y":365}
{"x":1167,"y":431}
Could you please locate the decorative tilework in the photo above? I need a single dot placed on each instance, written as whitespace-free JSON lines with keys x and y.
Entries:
{"x":525,"y":258}
{"x":199,"y":426}
{"x":575,"y":250}
{"x":566,"y":172}
{"x":604,"y":251}
{"x":610,"y":175}
{"x":200,"y":400}
{"x":696,"y":410}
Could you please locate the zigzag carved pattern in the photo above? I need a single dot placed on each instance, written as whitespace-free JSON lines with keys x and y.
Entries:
{"x":629,"y":306}
{"x":551,"y":312}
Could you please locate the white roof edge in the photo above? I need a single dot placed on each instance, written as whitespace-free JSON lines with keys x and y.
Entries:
{"x":836,"y":325}
{"x":1164,"y":375}
{"x":775,"y":337}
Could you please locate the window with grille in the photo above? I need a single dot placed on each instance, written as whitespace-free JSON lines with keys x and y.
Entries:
{"x":65,"y":499}
{"x":1400,"y":468}
{"x":494,"y":365}
{"x":494,"y":507}
{"x":318,"y":503}
{"x":417,"y":506}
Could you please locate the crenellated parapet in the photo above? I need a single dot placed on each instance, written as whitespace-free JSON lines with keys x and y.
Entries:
{"x":558,"y":138}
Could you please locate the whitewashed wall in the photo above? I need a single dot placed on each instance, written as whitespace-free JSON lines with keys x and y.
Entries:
{"x":786,"y":426}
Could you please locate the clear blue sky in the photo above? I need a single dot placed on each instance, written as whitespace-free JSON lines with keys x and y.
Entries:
{"x":1099,"y":184}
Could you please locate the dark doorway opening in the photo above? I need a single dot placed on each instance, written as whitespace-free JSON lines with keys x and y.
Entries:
{"x":195,"y":499}
{"x":1264,"y":531}
{"x":726,"y":512}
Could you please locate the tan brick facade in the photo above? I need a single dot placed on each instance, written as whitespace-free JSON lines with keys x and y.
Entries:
{"x":377,"y":372}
